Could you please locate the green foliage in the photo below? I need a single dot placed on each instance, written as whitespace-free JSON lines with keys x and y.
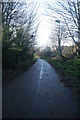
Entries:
{"x":16,"y":41}
{"x":72,"y":67}
{"x":70,"y":71}
{"x":6,"y":37}
{"x":9,"y":58}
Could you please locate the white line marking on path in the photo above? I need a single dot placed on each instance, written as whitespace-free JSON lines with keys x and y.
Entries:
{"x":41,"y":71}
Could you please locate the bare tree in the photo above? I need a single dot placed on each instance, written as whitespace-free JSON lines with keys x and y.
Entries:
{"x":69,"y":11}
{"x":20,"y":15}
{"x":19,"y":28}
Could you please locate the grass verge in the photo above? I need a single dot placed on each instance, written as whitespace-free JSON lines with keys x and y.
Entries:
{"x":69,"y":73}
{"x":9,"y":74}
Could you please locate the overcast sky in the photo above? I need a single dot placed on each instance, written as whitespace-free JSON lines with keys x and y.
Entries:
{"x":44,"y":30}
{"x":44,"y":27}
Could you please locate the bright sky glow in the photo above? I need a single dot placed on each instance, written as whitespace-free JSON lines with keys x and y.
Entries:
{"x":43,"y":30}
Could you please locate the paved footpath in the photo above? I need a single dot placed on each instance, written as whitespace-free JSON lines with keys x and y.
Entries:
{"x":38,"y":93}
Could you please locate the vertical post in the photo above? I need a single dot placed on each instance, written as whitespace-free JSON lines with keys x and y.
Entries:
{"x":59,"y":49}
{"x":0,"y":60}
{"x":59,"y":41}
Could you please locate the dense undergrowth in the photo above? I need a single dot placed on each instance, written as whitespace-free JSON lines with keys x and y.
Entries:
{"x":69,"y":71}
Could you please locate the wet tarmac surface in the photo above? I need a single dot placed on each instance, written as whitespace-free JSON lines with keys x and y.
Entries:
{"x":38,"y":93}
